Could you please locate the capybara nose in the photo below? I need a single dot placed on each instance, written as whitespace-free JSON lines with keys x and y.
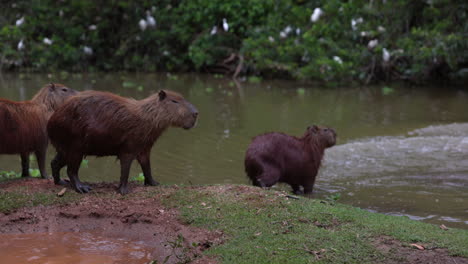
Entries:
{"x":195,"y":114}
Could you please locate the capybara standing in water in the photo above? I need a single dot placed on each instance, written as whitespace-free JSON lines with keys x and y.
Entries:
{"x":277,"y":157}
{"x":105,"y":124}
{"x":23,"y":124}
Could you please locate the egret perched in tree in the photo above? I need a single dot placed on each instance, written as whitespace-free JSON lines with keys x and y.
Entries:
{"x":47,"y":41}
{"x":316,"y":14}
{"x":87,"y":50}
{"x":142,"y":24}
{"x":151,"y":22}
{"x":214,"y":30}
{"x":21,"y":45}
{"x":373,"y":43}
{"x":225,"y":25}
{"x":385,"y":55}
{"x":20,"y":21}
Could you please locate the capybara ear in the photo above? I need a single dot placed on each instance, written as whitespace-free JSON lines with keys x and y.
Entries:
{"x":313,"y":129}
{"x":162,"y":95}
{"x":52,"y":86}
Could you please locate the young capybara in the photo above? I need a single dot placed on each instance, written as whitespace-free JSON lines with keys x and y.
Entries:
{"x":23,"y":124}
{"x":104,"y":124}
{"x":277,"y":157}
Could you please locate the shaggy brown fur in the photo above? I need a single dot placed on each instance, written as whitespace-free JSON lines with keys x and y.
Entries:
{"x":105,"y":124}
{"x":277,"y":157}
{"x":23,"y":124}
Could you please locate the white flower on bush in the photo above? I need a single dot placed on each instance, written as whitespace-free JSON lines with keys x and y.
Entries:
{"x":364,"y":33}
{"x":316,"y":14}
{"x":373,"y":43}
{"x":381,"y":29}
{"x":92,"y":27}
{"x":338,"y":59}
{"x":47,"y":41}
{"x":271,"y":39}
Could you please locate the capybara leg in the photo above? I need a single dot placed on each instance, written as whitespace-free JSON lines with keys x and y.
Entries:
{"x":125,"y":164}
{"x":41,"y":157}
{"x":144,"y":160}
{"x":57,"y":164}
{"x":25,"y":164}
{"x":308,"y":189}
{"x":297,"y":189}
{"x":72,"y":171}
{"x":269,"y":177}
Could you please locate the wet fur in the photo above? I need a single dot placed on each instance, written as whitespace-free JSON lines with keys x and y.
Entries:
{"x":23,"y":124}
{"x":105,"y":124}
{"x":277,"y":157}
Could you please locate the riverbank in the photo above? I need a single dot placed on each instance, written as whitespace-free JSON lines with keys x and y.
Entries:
{"x":229,"y":224}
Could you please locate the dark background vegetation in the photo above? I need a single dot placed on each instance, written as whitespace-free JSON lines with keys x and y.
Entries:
{"x":426,"y":40}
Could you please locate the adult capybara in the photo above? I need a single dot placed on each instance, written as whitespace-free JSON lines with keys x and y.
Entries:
{"x":23,"y":124}
{"x":105,"y":124}
{"x":277,"y":157}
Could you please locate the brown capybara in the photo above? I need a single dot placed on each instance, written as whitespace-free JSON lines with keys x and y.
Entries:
{"x":277,"y":157}
{"x":23,"y":124}
{"x":104,"y":124}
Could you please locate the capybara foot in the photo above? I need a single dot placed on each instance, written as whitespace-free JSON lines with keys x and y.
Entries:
{"x":298,"y":192}
{"x":82,"y":188}
{"x":62,"y":182}
{"x":45,"y":177}
{"x":123,"y":190}
{"x":151,"y":182}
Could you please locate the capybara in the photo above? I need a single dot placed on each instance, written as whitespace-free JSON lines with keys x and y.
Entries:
{"x":277,"y":157}
{"x":23,"y":124}
{"x":104,"y":124}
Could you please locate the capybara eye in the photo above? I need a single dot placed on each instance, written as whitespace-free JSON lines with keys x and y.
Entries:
{"x":64,"y":89}
{"x":174,"y":101}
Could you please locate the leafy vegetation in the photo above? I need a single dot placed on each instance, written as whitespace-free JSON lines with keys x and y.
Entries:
{"x":332,"y":40}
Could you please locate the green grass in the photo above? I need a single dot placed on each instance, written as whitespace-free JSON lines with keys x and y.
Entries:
{"x":268,"y":227}
{"x":22,"y":197}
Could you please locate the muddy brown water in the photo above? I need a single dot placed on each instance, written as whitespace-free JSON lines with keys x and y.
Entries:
{"x":79,"y":248}
{"x":400,"y":151}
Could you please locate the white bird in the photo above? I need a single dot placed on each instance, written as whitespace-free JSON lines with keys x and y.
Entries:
{"x":271,"y":39}
{"x":150,"y":20}
{"x":92,"y":27}
{"x":21,"y":45}
{"x":385,"y":55}
{"x":316,"y":14}
{"x":298,"y":31}
{"x":214,"y":30}
{"x":364,"y":33}
{"x":283,"y":34}
{"x":355,"y":22}
{"x":20,"y":21}
{"x":287,"y":29}
{"x":225,"y":25}
{"x":47,"y":41}
{"x":373,"y":43}
{"x":87,"y":50}
{"x":381,"y":29}
{"x":338,"y":59}
{"x":142,"y":24}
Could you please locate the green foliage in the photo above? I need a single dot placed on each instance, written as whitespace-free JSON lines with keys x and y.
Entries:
{"x":425,"y":39}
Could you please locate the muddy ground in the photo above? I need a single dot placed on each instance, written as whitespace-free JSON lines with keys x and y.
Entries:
{"x":114,"y":216}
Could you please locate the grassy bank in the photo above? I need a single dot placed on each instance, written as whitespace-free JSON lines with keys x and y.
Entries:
{"x":263,"y":226}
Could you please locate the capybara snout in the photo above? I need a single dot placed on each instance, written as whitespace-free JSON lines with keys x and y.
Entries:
{"x":277,"y":157}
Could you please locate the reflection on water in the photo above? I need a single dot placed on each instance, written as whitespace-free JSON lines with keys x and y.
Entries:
{"x":70,"y":248}
{"x":403,"y":153}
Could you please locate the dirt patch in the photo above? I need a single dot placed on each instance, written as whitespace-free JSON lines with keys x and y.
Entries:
{"x":135,"y":217}
{"x":397,"y":252}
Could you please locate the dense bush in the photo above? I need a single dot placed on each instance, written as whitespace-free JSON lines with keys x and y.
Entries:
{"x":409,"y":39}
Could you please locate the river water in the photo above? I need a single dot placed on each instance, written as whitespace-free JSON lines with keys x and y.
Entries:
{"x":400,"y":150}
